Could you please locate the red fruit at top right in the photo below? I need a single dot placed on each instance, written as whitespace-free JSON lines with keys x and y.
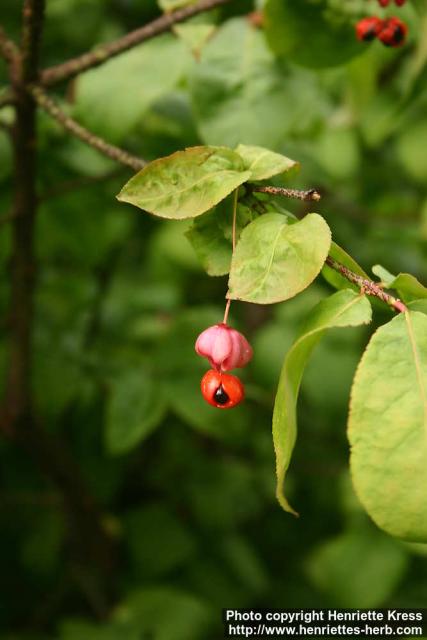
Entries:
{"x":393,"y":33}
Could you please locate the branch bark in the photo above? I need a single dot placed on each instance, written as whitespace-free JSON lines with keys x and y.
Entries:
{"x":369,"y":287}
{"x":94,"y":58}
{"x":18,"y":393}
{"x":297,"y":194}
{"x":109,"y":150}
{"x":89,"y":541}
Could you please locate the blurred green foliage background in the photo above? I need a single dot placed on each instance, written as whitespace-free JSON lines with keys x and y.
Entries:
{"x":188,"y":491}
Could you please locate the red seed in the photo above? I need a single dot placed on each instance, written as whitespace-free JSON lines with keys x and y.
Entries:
{"x":368,"y":28}
{"x":222,"y":390}
{"x":393,"y":33}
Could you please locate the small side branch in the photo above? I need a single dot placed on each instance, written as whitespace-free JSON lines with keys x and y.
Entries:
{"x":94,"y":58}
{"x":366,"y":286}
{"x":312,"y":194}
{"x":115,"y":153}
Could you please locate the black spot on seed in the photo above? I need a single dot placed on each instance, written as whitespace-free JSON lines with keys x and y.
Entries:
{"x":220,"y":396}
{"x":369,"y":34}
{"x":399,"y":35}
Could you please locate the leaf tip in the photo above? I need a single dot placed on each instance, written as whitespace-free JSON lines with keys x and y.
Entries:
{"x":285,"y":504}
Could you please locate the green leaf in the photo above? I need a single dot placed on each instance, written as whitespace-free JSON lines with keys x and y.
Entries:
{"x":165,"y":613}
{"x":112,"y":99}
{"x":305,"y":33}
{"x":275,"y":260}
{"x":240,"y":94}
{"x":211,"y":236}
{"x":337,"y":152}
{"x":385,"y":276}
{"x":263,"y":163}
{"x":186,"y":183}
{"x":372,"y":581}
{"x":418,"y":305}
{"x":336,"y":279}
{"x":343,"y":309}
{"x":210,"y":245}
{"x":410,"y":150}
{"x":168,"y":542}
{"x":195,"y":36}
{"x":407,"y":286}
{"x":136,"y":407}
{"x":172,"y":5}
{"x":388,"y":427}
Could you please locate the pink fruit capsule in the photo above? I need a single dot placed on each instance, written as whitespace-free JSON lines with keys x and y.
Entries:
{"x":224,"y":347}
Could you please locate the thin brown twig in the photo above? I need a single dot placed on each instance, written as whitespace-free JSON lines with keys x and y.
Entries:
{"x":297,"y":194}
{"x":102,"y":53}
{"x":109,"y":150}
{"x":367,"y":286}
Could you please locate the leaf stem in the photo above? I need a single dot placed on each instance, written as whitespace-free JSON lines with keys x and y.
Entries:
{"x":235,"y":198}
{"x":233,"y":244}
{"x":101,"y":54}
{"x":366,"y":286}
{"x":226,"y":312}
{"x":109,"y":150}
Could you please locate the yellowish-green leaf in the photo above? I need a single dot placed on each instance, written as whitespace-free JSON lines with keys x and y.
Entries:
{"x":275,"y":260}
{"x":186,"y":183}
{"x":343,"y":309}
{"x":262,"y":163}
{"x":388,"y":427}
